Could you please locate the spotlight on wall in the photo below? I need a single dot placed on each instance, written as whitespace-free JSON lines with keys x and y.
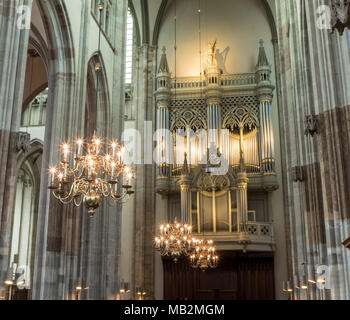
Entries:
{"x":141,"y":293}
{"x":303,"y":283}
{"x":124,"y":288}
{"x":287,"y":287}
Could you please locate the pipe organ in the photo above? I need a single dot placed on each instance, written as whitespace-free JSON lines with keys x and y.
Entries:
{"x":230,"y":114}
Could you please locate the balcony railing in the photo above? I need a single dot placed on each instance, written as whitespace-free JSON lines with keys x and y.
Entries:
{"x":227,"y":80}
{"x":260,"y":237}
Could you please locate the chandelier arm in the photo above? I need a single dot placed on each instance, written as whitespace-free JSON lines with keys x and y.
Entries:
{"x":78,"y":201}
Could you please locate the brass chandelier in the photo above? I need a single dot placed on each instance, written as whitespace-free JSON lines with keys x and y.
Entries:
{"x":91,"y":171}
{"x":175,"y":240}
{"x":91,"y":175}
{"x":204,"y":255}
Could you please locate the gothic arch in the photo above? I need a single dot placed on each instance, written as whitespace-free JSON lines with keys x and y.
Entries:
{"x":145,"y":21}
{"x":96,"y":113}
{"x":136,"y":23}
{"x":166,"y":3}
{"x":35,"y":147}
{"x":30,"y":98}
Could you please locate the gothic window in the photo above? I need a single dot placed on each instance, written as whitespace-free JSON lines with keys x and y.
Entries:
{"x":129,"y":47}
{"x":35,"y":113}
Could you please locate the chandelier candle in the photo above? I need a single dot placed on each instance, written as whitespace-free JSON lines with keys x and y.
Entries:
{"x":92,"y":176}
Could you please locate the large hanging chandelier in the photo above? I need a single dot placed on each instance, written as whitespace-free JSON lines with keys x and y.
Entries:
{"x":89,"y":175}
{"x":204,"y":255}
{"x":91,"y":171}
{"x":175,"y":240}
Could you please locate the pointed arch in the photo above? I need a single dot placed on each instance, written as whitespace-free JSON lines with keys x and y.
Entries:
{"x":136,"y":23}
{"x":166,"y":3}
{"x":145,"y":22}
{"x":97,"y":110}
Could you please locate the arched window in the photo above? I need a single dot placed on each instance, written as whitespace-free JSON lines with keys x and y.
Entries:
{"x":129,"y":47}
{"x":35,"y":114}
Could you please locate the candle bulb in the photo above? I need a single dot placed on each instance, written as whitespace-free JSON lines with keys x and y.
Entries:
{"x":53,"y":171}
{"x":128,"y":178}
{"x":97,"y":144}
{"x":112,"y":169}
{"x":119,"y":157}
{"x":65,"y":170}
{"x":79,"y":143}
{"x":65,"y":152}
{"x":114,"y":148}
{"x":91,"y":167}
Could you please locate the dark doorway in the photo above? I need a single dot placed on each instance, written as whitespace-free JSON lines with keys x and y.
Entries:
{"x":239,"y":276}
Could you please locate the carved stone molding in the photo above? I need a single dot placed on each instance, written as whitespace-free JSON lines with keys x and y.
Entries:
{"x":298,"y":174}
{"x":340,"y":15}
{"x":311,"y":125}
{"x":22,"y":141}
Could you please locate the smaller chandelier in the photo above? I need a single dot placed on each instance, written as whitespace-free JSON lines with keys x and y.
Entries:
{"x":88,"y":176}
{"x":175,"y":240}
{"x":204,"y":255}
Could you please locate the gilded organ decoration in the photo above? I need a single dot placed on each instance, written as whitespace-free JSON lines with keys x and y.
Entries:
{"x":212,"y":54}
{"x":187,"y":118}
{"x":209,"y":182}
{"x":241,"y":116}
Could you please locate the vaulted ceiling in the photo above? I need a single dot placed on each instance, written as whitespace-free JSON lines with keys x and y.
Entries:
{"x":149,"y":14}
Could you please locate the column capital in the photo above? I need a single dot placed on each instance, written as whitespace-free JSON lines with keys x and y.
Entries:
{"x":265,"y":93}
{"x":162,"y":106}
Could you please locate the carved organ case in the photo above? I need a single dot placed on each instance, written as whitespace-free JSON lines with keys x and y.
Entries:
{"x":232,"y":115}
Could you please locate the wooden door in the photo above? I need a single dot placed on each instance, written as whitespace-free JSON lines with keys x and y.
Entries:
{"x":239,"y":276}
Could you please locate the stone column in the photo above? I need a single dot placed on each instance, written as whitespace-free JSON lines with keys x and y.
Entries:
{"x":24,"y":236}
{"x":13,"y":50}
{"x":144,"y":255}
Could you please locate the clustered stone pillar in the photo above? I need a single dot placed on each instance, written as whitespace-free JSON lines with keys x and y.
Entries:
{"x":317,"y":213}
{"x":265,"y":95}
{"x":14,"y":43}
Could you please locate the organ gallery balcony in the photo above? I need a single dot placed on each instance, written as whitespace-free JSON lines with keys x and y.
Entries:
{"x":258,"y":237}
